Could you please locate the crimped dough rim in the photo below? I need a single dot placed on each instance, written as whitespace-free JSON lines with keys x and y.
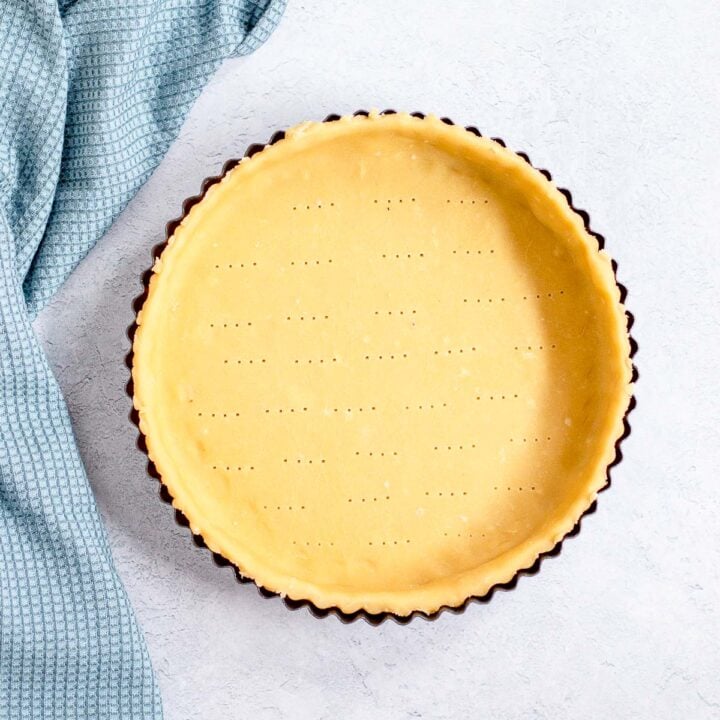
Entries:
{"x":453,"y":591}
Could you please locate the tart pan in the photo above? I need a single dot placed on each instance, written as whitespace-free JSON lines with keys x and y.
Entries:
{"x":480,"y":402}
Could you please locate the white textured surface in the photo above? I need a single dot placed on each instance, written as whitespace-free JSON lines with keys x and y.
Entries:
{"x":621,"y":103}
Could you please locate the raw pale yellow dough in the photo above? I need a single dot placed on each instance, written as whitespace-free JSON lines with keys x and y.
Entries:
{"x":382,"y":365}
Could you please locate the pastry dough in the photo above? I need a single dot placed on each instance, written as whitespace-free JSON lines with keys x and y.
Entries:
{"x":382,"y":365}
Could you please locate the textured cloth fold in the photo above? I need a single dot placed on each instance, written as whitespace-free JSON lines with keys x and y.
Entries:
{"x":92,"y":92}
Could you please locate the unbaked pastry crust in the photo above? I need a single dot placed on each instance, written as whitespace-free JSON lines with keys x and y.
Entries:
{"x":382,"y":365}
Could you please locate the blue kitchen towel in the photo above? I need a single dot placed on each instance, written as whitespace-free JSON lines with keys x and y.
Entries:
{"x":92,"y":92}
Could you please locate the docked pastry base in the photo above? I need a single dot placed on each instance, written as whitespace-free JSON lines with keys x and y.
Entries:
{"x":316,"y":609}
